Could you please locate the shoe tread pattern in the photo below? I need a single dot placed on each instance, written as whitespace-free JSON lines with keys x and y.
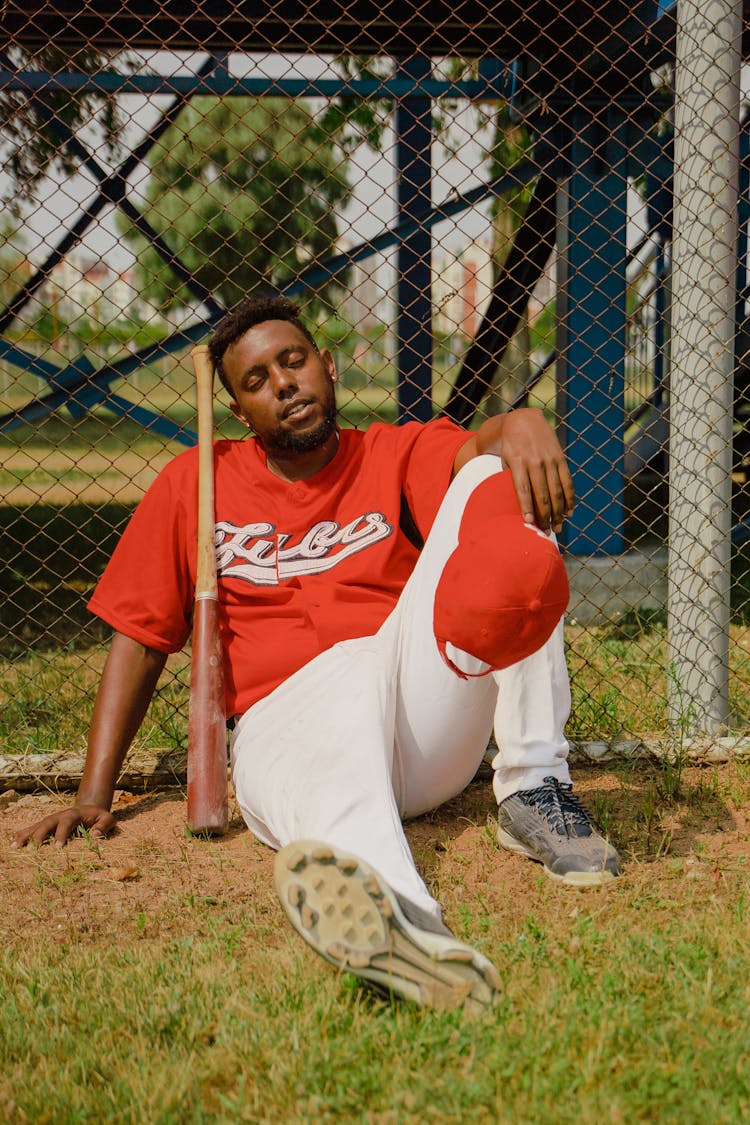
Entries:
{"x":347,"y":914}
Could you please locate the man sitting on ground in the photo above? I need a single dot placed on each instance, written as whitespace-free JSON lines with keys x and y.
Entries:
{"x":385,"y":597}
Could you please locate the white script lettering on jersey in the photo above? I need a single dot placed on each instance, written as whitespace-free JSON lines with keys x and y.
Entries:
{"x":259,"y":554}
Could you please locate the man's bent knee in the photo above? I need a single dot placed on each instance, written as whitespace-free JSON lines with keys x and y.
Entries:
{"x":504,"y":588}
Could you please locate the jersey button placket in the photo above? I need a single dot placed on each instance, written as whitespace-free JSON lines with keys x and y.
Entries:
{"x":296,"y":495}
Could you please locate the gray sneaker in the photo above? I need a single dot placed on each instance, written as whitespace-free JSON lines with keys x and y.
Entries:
{"x":352,"y":918}
{"x":551,"y":825}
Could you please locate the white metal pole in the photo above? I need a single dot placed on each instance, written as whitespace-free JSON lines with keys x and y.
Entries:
{"x":706,"y":161}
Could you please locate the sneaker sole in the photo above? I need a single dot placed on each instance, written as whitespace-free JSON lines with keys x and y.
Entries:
{"x":571,"y":879}
{"x":349,"y":915}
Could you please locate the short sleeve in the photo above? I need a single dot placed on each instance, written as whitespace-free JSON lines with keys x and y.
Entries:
{"x":429,"y":469}
{"x":146,"y":590}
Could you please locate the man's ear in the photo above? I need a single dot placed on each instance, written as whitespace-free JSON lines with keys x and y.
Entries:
{"x":237,"y":411}
{"x":329,"y":364}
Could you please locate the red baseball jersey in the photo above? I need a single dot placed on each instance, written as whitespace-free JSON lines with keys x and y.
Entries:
{"x":301,"y":565}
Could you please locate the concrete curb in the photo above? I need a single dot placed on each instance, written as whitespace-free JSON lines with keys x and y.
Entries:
{"x":145,"y":770}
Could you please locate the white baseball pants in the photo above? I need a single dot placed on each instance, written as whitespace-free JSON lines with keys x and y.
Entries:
{"x":379,"y":729}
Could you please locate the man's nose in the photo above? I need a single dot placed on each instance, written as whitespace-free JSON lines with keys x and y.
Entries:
{"x":283,"y":381}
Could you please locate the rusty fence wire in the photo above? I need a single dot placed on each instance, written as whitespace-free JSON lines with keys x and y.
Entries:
{"x":552,"y":216}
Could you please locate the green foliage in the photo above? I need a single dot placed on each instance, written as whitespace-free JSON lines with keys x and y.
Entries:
{"x":336,"y":332}
{"x":354,"y":120}
{"x":244,"y":191}
{"x":542,"y":329}
{"x":511,"y":144}
{"x":44,"y":590}
{"x":79,"y":333}
{"x":49,"y":320}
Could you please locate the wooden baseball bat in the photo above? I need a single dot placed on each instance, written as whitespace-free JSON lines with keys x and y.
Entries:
{"x":207,"y":798}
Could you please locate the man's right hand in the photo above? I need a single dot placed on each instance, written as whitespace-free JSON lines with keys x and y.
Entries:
{"x":60,"y":826}
{"x":125,"y":691}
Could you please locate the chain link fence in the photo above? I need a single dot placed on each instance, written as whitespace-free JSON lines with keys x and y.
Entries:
{"x":475,"y":215}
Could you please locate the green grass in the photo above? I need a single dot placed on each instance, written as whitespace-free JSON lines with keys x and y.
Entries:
{"x":48,"y":703}
{"x":111,"y":433}
{"x":191,"y":1006}
{"x":52,"y":558}
{"x":619,"y":679}
{"x":100,"y":430}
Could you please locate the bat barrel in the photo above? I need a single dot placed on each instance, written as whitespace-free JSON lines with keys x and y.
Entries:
{"x":207,"y":798}
{"x":207,"y":731}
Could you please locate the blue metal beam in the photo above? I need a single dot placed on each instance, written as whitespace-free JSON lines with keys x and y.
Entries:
{"x":87,"y":388}
{"x":116,"y":188}
{"x":500,"y":85}
{"x":82,"y":391}
{"x":113,"y":189}
{"x":591,"y":329}
{"x":314,"y":276}
{"x":413,"y":261}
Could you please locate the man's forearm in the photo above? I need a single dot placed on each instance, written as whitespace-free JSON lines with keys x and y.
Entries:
{"x":127,"y":685}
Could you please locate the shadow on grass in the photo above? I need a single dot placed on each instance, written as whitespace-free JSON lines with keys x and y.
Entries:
{"x":643,"y":809}
{"x":652,"y":810}
{"x":137,"y":804}
{"x":52,"y":558}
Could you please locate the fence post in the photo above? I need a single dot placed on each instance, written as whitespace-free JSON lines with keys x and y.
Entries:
{"x":413,"y":263}
{"x":707,"y":90}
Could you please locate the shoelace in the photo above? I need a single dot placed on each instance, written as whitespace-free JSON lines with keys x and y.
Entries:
{"x":560,"y":807}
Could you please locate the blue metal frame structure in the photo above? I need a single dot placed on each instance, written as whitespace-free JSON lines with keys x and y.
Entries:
{"x":590,"y":357}
{"x":414,"y":256}
{"x":80,"y":387}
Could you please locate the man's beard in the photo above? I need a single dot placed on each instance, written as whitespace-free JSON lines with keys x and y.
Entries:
{"x":286,"y":441}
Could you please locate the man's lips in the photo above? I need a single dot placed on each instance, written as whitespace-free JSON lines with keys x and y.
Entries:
{"x":297,"y":409}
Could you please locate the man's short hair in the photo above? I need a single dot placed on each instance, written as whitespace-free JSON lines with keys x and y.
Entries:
{"x":251,"y":311}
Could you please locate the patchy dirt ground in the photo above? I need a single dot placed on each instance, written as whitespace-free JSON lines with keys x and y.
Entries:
{"x":148,"y":877}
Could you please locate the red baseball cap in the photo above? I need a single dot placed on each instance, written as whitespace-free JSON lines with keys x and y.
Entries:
{"x":505,"y":587}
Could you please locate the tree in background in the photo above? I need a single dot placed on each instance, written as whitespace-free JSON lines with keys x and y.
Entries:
{"x":507,"y":142}
{"x":245,"y":192}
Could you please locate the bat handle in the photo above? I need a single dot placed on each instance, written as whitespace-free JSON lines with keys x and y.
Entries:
{"x":205,"y":577}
